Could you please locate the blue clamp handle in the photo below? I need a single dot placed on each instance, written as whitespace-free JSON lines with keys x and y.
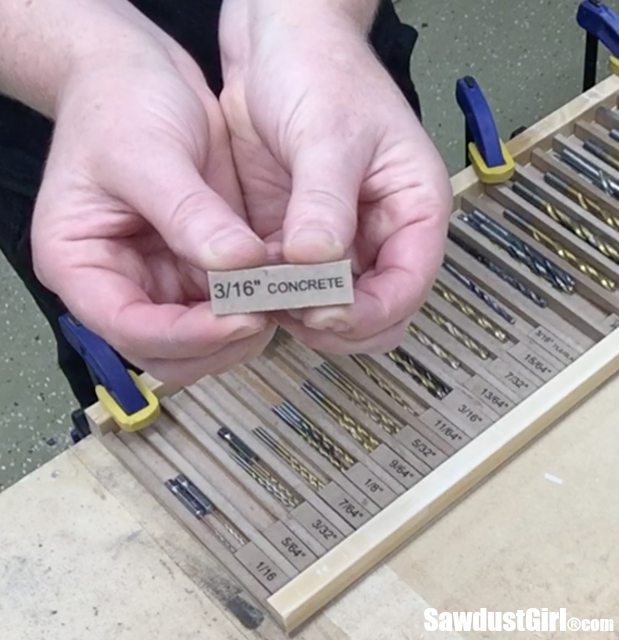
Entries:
{"x":480,"y":121}
{"x":600,"y":21}
{"x":104,"y":365}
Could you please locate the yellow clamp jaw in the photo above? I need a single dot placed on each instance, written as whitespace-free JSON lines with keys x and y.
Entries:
{"x":492,"y":175}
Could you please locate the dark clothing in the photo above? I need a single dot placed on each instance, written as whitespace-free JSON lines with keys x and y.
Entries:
{"x":25,"y":137}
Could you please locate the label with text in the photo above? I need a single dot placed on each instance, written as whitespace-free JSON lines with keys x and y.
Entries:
{"x":397,"y":468}
{"x":346,"y":506}
{"x":289,"y":545}
{"x":268,"y":574}
{"x":317,"y":525}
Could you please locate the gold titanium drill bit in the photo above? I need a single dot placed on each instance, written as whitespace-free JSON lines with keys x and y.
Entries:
{"x":359,"y":398}
{"x":292,"y":461}
{"x":314,"y":436}
{"x":584,"y":267}
{"x":566,"y":220}
{"x":577,"y":196}
{"x":382,"y":384}
{"x":343,"y":419}
{"x":435,"y":348}
{"x":455,"y":332}
{"x":419,"y":373}
{"x":470,"y":312}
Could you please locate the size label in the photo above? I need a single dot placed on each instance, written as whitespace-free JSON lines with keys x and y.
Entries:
{"x":553,"y":345}
{"x":395,"y":466}
{"x":317,"y":525}
{"x":421,"y":447}
{"x":344,"y":505}
{"x":373,"y":488}
{"x":289,"y":545}
{"x":285,"y":286}
{"x":444,"y":428}
{"x":489,"y":395}
{"x":537,"y":364}
{"x":262,"y":567}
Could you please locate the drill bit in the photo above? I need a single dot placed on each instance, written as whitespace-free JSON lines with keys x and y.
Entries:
{"x":589,"y":170}
{"x":602,"y":154}
{"x":253,"y":466}
{"x":498,"y":271}
{"x":586,"y":203}
{"x":405,"y":362}
{"x":435,"y":348}
{"x":520,"y":251}
{"x":314,"y":436}
{"x":566,"y":220}
{"x":474,"y":288}
{"x":343,"y":419}
{"x":470,"y":312}
{"x":614,"y":134}
{"x":290,"y":459}
{"x":584,"y":267}
{"x":359,"y":398}
{"x":455,"y":332}
{"x":381,"y":382}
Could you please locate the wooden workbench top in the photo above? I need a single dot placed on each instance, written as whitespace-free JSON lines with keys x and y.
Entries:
{"x":86,"y":554}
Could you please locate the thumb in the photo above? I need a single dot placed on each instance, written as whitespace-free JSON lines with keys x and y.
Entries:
{"x":321,"y":218}
{"x":193,"y":219}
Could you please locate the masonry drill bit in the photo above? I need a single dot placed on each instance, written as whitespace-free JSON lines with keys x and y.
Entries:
{"x":586,"y":203}
{"x":432,"y":346}
{"x":419,"y":373}
{"x":254,"y":467}
{"x":381,"y":382}
{"x":314,"y":436}
{"x":521,"y":251}
{"x":589,"y":170}
{"x":455,"y":332}
{"x":595,"y":149}
{"x":290,"y":459}
{"x":498,"y":271}
{"x":475,"y":289}
{"x":343,"y":419}
{"x":470,"y":312}
{"x":359,"y":398}
{"x":568,"y":221}
{"x":584,"y":267}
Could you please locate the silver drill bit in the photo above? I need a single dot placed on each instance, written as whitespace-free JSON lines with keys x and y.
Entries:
{"x":589,"y":170}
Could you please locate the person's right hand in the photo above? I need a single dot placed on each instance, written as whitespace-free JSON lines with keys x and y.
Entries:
{"x":138,"y":201}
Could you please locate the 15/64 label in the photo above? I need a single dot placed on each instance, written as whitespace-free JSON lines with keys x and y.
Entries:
{"x":284,"y":286}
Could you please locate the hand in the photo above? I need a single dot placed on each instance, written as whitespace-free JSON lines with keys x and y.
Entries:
{"x":139,"y":199}
{"x":333,"y":163}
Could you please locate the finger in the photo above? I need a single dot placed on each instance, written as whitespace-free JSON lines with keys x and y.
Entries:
{"x":331,"y":342}
{"x":195,"y":221}
{"x":121,"y":313}
{"x":187,"y":371}
{"x":405,"y":269}
{"x":321,"y":218}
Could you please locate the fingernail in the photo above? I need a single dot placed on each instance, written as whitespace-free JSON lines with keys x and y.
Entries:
{"x":234,"y":243}
{"x":329,"y":324}
{"x":246,"y":332}
{"x":296,"y":314}
{"x":314,"y":243}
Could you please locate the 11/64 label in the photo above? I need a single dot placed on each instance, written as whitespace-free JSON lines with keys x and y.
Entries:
{"x":286,"y":286}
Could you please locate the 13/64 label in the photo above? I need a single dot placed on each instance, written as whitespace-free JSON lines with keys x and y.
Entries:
{"x":284,"y":286}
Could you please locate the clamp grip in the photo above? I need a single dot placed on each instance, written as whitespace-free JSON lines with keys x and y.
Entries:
{"x":601,"y":25}
{"x":132,"y":405}
{"x":486,"y":151}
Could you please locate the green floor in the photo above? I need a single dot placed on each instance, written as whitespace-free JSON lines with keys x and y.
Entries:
{"x":526,"y":55}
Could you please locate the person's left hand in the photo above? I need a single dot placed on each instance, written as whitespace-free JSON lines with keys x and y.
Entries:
{"x":333,"y":163}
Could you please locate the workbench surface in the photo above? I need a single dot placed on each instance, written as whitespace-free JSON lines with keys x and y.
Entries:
{"x":86,"y":554}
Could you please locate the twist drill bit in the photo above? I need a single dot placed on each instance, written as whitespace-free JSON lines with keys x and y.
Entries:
{"x":592,"y":172}
{"x":614,"y":134}
{"x":214,"y":511}
{"x":419,"y":373}
{"x":436,"y":349}
{"x":359,"y":398}
{"x":455,"y":332}
{"x":601,"y":153}
{"x":343,"y":419}
{"x":380,"y":381}
{"x":586,"y":203}
{"x":470,"y":312}
{"x":474,"y":288}
{"x":584,"y":267}
{"x":291,"y":460}
{"x":314,"y":436}
{"x":566,"y":220}
{"x":520,"y":251}
{"x":252,"y":465}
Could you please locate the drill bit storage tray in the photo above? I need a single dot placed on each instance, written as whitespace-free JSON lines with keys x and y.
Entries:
{"x":302,"y":471}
